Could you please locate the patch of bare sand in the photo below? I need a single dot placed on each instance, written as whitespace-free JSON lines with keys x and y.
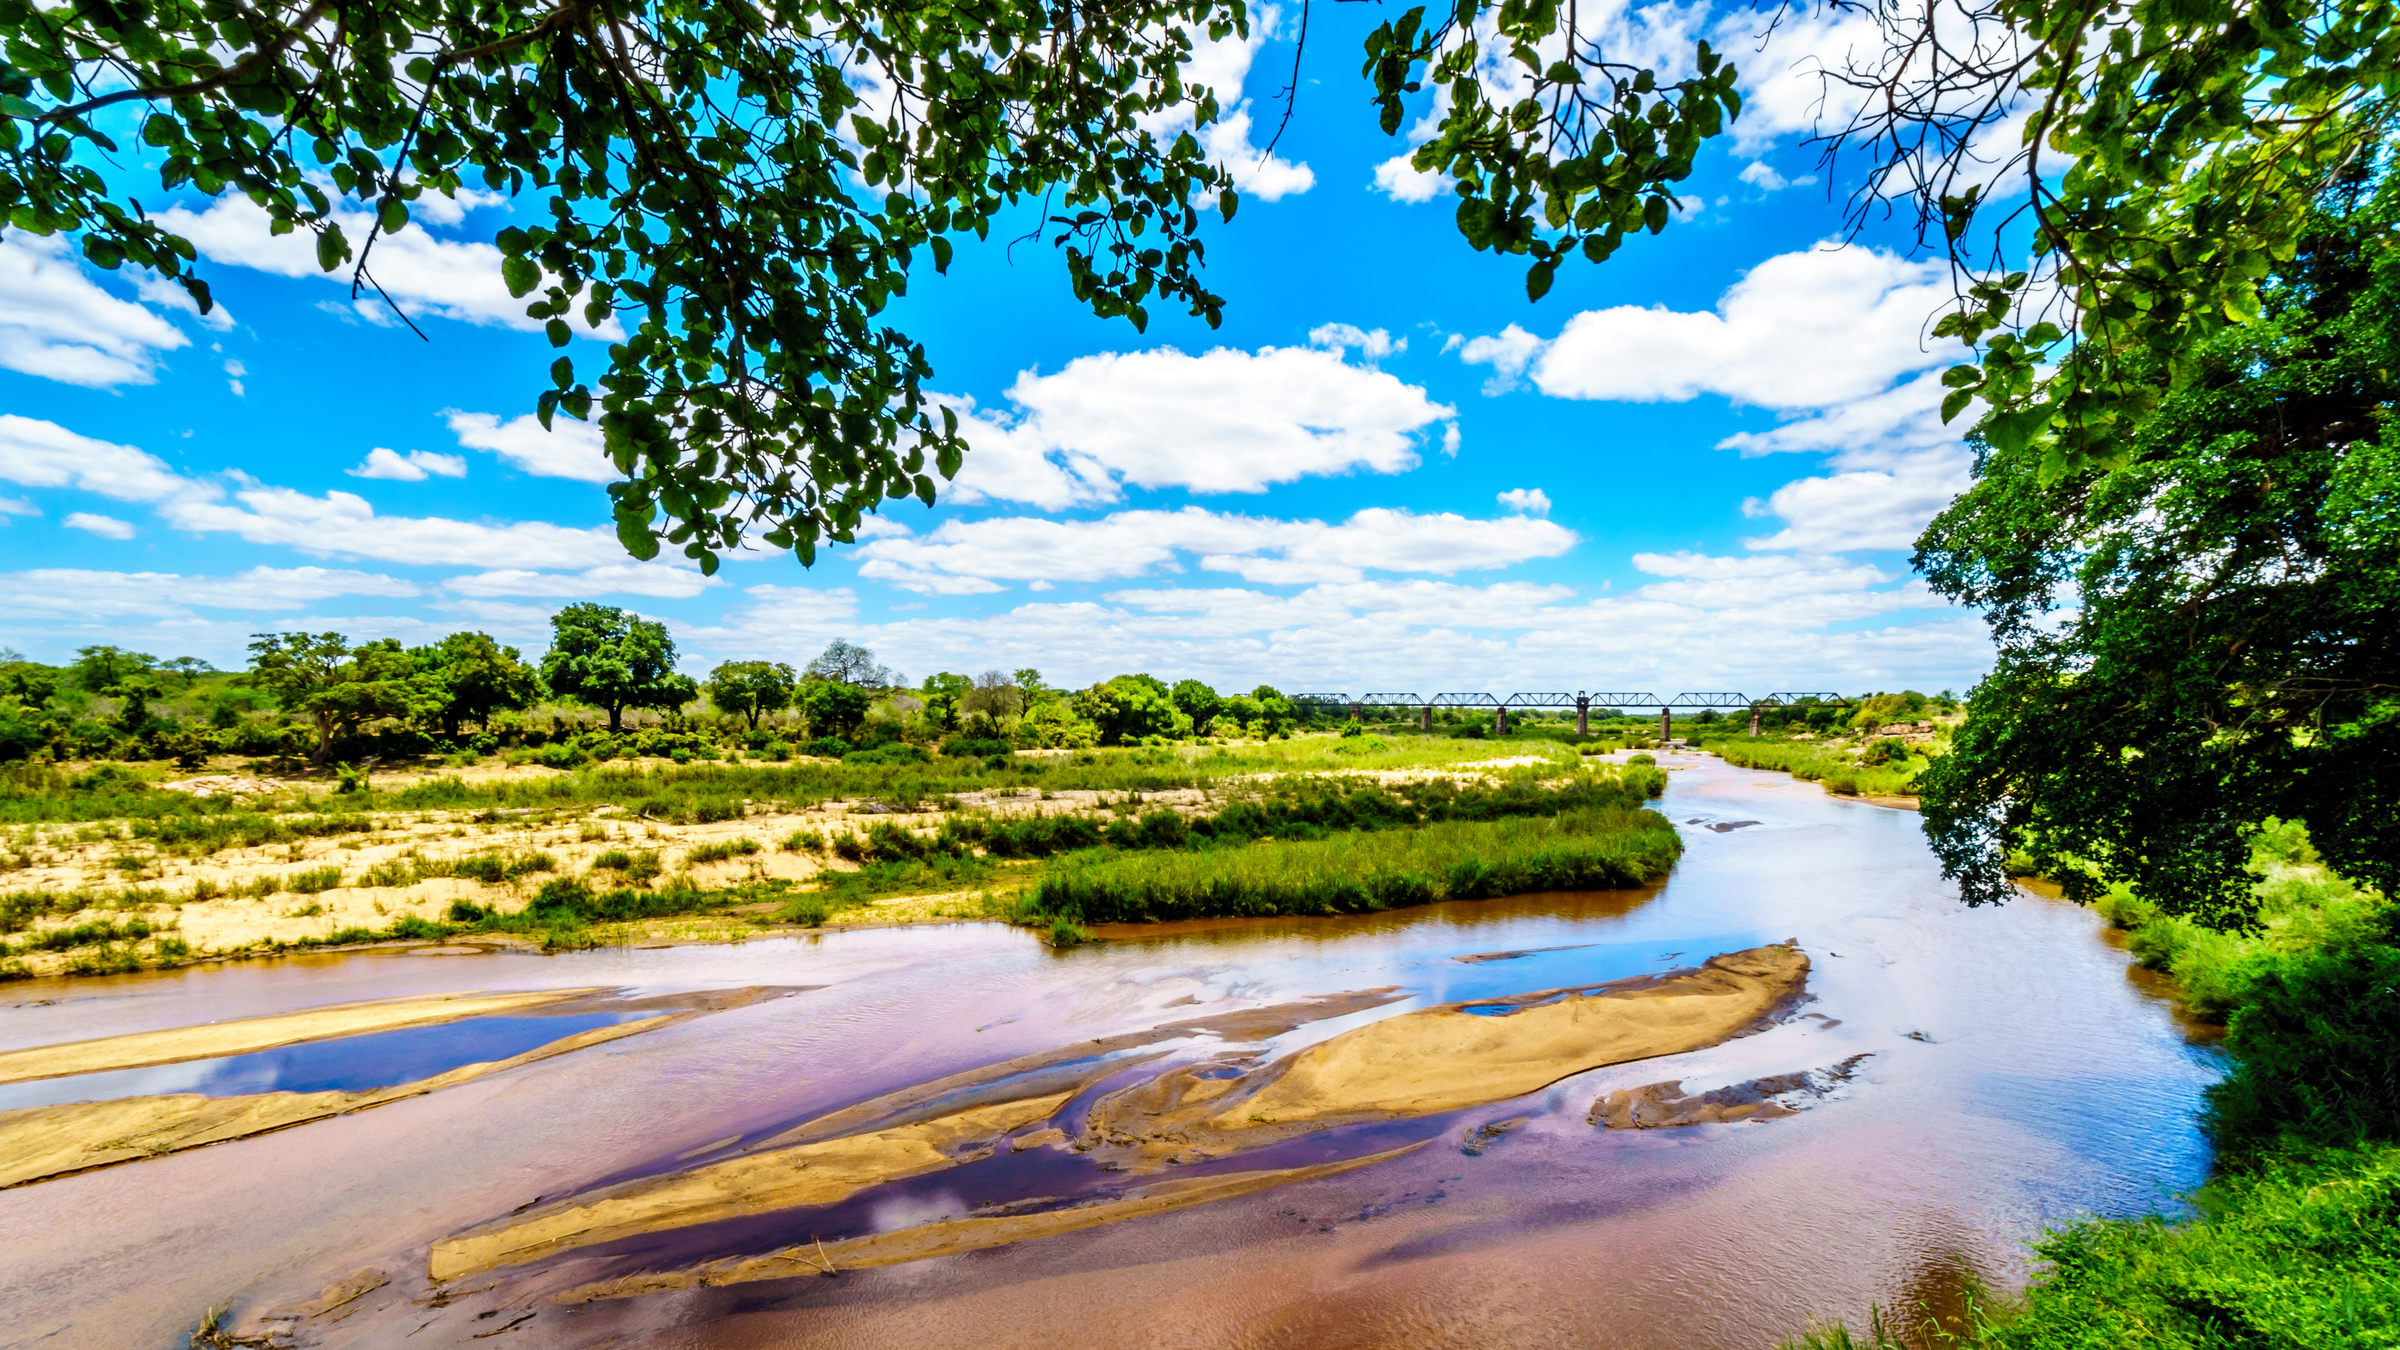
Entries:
{"x":216,"y":1039}
{"x":821,"y":1173}
{"x":42,"y":1142}
{"x":953,"y":1236}
{"x":1444,"y":1058}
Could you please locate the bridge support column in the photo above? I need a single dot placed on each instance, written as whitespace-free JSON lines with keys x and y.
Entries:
{"x":1353,"y":712}
{"x":1583,"y":706}
{"x":1754,"y":719}
{"x":1666,"y":726}
{"x":1500,"y":721}
{"x":1425,"y":718}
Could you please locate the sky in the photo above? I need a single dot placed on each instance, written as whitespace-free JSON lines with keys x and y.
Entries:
{"x":1698,"y":466}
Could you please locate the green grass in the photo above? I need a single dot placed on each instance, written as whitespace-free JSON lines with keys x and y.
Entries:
{"x":725,"y":851}
{"x":1355,"y":872}
{"x":1816,"y":761}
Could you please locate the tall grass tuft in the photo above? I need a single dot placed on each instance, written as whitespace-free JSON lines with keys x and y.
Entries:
{"x":1352,"y":873}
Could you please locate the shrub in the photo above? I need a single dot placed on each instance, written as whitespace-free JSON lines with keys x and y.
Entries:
{"x":971,"y":747}
{"x":313,"y":881}
{"x":392,"y":872}
{"x":467,"y":911}
{"x":172,"y":948}
{"x":2313,"y":1046}
{"x":828,"y":747}
{"x":895,"y":753}
{"x":725,"y":851}
{"x":412,"y":927}
{"x":615,"y":859}
{"x":204,"y":889}
{"x":810,"y":910}
{"x":490,"y":869}
{"x":804,"y":841}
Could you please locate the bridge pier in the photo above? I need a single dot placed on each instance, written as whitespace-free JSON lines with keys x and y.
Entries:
{"x":1666,"y":726}
{"x":1500,"y":721}
{"x":1753,"y":719}
{"x":1425,"y":718}
{"x":1583,"y":706}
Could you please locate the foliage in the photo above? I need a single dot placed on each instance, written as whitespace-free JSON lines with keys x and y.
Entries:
{"x":468,"y":678}
{"x":845,"y":662}
{"x":833,"y":708}
{"x":751,"y":689}
{"x":1129,"y":708}
{"x":2221,"y":614}
{"x":323,"y":678}
{"x":1196,"y":701}
{"x":2313,"y":1041}
{"x":613,"y":660}
{"x":102,"y":669}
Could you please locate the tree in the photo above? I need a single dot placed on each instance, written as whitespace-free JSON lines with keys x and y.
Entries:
{"x":1196,"y":701}
{"x":996,"y":695}
{"x":763,"y":388}
{"x":751,"y":689}
{"x":945,"y":698}
{"x":100,"y":670}
{"x":850,"y":664}
{"x":469,"y":677}
{"x":1129,"y":708}
{"x":2207,"y":636}
{"x":337,"y":687}
{"x":834,"y":707}
{"x":610,"y":659}
{"x":1275,"y":712}
{"x":187,"y":669}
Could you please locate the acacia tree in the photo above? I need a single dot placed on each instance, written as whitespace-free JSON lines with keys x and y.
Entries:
{"x":469,"y":677}
{"x":339,"y":688}
{"x":846,"y":662}
{"x":751,"y":689}
{"x":610,"y":659}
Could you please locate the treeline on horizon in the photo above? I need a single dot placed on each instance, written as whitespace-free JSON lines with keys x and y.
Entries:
{"x":608,"y":687}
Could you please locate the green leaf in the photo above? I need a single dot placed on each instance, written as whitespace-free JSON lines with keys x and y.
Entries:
{"x":560,"y":335}
{"x":332,"y":248}
{"x":521,"y":275}
{"x":1956,"y":401}
{"x":392,"y":215}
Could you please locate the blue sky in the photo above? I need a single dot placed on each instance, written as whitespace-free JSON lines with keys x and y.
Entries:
{"x":1698,"y":465}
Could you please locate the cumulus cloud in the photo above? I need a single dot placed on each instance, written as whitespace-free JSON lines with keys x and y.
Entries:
{"x":568,"y":449}
{"x":1222,"y":65}
{"x":425,"y":274}
{"x":107,"y":527}
{"x":35,"y":453}
{"x":409,"y":468}
{"x":1881,"y":508}
{"x":1526,"y":501}
{"x":64,"y":592}
{"x":58,"y":324}
{"x":343,"y":524}
{"x":1507,"y":352}
{"x":976,"y":557}
{"x":1223,"y":421}
{"x":624,"y":578}
{"x":1801,"y":330}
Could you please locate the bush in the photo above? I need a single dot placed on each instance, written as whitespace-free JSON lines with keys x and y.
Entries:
{"x":809,"y":910}
{"x":896,"y":752}
{"x":2314,"y":1047}
{"x":726,"y":851}
{"x":828,"y":747}
{"x":970,"y":747}
{"x":467,"y":911}
{"x":313,"y":881}
{"x":804,"y":841}
{"x":415,"y":928}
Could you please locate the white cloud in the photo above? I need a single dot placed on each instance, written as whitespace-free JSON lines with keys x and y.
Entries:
{"x":17,"y":506}
{"x":1904,"y":418}
{"x":1507,"y":352}
{"x":1223,"y":421}
{"x":1761,"y":175}
{"x":166,"y":294}
{"x":343,"y":524}
{"x":44,"y":454}
{"x":107,"y":527}
{"x":625,"y":578}
{"x":454,"y":279}
{"x":58,"y":324}
{"x":1883,"y":508}
{"x":1341,"y":337}
{"x":1801,"y":330}
{"x":784,"y":623}
{"x":975,"y":557}
{"x":1222,"y":65}
{"x":1526,"y":501}
{"x":1402,"y":181}
{"x":569,"y":449}
{"x":409,"y":468}
{"x":70,"y":592}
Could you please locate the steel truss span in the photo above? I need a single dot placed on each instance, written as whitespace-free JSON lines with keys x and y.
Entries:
{"x":1607,"y":703}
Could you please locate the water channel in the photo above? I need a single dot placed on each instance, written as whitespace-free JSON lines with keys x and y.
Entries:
{"x":2015,"y":1074}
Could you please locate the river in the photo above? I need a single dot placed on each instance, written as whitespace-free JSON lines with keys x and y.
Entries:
{"x":2016,"y":1074}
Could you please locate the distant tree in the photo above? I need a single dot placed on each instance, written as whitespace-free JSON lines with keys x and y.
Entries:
{"x":27,"y":682}
{"x":1198,"y":702}
{"x":833,"y":707}
{"x":469,"y":677}
{"x":101,"y":669}
{"x":605,"y":657}
{"x":1130,"y":707}
{"x":995,"y":695}
{"x":187,"y":669}
{"x":751,"y":689}
{"x":849,"y":663}
{"x":1031,"y":689}
{"x":1244,"y":713}
{"x":337,"y":687}
{"x":945,"y":698}
{"x":1275,"y":712}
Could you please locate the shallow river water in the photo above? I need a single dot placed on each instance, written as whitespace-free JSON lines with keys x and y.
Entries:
{"x":2016,"y":1074}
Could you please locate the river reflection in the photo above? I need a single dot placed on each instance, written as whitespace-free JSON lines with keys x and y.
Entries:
{"x":2015,"y":1077}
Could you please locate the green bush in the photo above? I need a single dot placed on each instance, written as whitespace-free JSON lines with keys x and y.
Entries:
{"x":895,"y":753}
{"x":313,"y":881}
{"x":2316,"y":1048}
{"x":725,"y":851}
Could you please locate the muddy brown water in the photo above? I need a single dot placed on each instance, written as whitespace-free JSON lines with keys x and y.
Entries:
{"x":2017,"y":1075}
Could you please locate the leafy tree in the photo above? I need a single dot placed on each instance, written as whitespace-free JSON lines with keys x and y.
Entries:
{"x":1129,"y":708}
{"x":1196,"y":701}
{"x":945,"y":697}
{"x":187,"y":669}
{"x":996,"y":695}
{"x":100,"y":670}
{"x":849,"y":663}
{"x":834,"y":707}
{"x":610,"y":659}
{"x":1275,"y":712}
{"x":751,"y":689}
{"x":2209,"y":635}
{"x":469,"y":677}
{"x":339,"y":688}
{"x":27,"y":682}
{"x":1245,"y":713}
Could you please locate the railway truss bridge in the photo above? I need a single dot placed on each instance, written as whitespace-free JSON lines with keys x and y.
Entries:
{"x":1609,"y":703}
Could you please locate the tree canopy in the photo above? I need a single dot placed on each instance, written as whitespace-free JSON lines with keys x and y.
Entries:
{"x":467,"y":677}
{"x":2208,"y":636}
{"x":751,"y":689}
{"x":339,"y":688}
{"x":613,"y":660}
